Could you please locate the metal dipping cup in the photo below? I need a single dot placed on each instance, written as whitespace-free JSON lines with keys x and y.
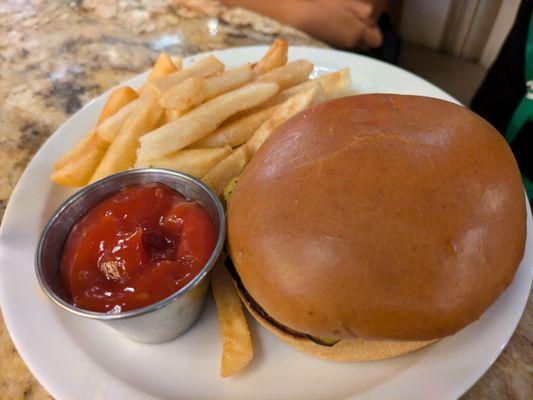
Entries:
{"x":158,"y":322}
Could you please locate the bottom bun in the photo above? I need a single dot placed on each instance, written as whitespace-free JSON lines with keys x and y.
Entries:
{"x":346,"y":349}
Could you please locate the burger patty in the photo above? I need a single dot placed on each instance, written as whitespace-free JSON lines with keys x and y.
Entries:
{"x":259,"y":310}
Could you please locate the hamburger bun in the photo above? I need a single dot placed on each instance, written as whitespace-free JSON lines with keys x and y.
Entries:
{"x":355,"y":349}
{"x":386,"y":221}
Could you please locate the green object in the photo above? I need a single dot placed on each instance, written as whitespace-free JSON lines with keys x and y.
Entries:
{"x":524,"y":111}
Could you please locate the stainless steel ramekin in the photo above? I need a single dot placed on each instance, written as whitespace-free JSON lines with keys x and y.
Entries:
{"x":158,"y":322}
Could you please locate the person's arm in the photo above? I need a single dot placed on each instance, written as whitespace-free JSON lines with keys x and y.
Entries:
{"x":276,"y":9}
{"x":341,"y":23}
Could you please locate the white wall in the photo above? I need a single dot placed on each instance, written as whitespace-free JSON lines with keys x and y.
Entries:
{"x":470,"y":29}
{"x":423,"y":21}
{"x":502,"y":25}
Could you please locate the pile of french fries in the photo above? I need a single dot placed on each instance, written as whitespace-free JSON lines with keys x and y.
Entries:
{"x":208,"y":122}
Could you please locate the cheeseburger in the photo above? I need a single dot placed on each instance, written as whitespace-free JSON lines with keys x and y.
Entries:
{"x":373,"y":225}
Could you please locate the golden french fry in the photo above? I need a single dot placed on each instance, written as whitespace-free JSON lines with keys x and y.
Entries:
{"x":334,"y":81}
{"x":160,"y":122}
{"x":286,"y":110}
{"x":293,"y":91}
{"x":227,"y":193}
{"x":342,"y":93}
{"x":76,"y":152}
{"x":79,"y":170}
{"x":288,"y":75}
{"x":237,"y":348}
{"x":227,"y":169}
{"x":119,"y":98}
{"x":121,"y":153}
{"x":330,"y":83}
{"x":281,"y":97}
{"x":235,"y":131}
{"x":205,"y":67}
{"x":202,"y":120}
{"x":171,"y":115}
{"x":110,"y":128}
{"x":275,"y":57}
{"x":177,"y":61}
{"x":196,"y":162}
{"x":335,"y":84}
{"x":76,"y":167}
{"x":194,"y":91}
{"x":164,"y":66}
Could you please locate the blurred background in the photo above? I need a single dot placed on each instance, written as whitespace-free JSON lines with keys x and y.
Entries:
{"x":452,"y":43}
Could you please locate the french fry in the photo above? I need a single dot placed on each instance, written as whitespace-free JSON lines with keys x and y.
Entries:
{"x":330,"y":83}
{"x":281,"y":97}
{"x":160,"y":122}
{"x":202,"y":120}
{"x":293,"y":91}
{"x":286,"y":110}
{"x":76,"y":152}
{"x":78,"y":171}
{"x":288,"y":75}
{"x":75,"y":168}
{"x":275,"y":57}
{"x":164,"y":66}
{"x":119,"y":98}
{"x":227,"y":169}
{"x":334,"y":81}
{"x":227,"y":193}
{"x":194,"y":91}
{"x":341,"y":93}
{"x":177,"y":61}
{"x":110,"y":128}
{"x":205,"y":67}
{"x":121,"y":153}
{"x":235,"y":131}
{"x":237,"y":348}
{"x":171,"y":115}
{"x":196,"y":162}
{"x":335,"y":84}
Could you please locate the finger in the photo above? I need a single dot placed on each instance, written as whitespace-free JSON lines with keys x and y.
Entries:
{"x":372,"y":37}
{"x":352,"y":37}
{"x":363,"y":11}
{"x":349,"y":31}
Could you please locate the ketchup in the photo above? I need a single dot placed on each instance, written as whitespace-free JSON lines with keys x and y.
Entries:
{"x":135,"y":248}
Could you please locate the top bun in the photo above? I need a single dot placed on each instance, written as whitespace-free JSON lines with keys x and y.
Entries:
{"x":379,"y":216}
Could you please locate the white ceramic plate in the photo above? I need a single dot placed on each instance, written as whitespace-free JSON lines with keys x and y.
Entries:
{"x":76,"y":358}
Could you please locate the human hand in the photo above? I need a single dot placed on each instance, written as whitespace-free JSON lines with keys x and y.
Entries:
{"x":346,"y":24}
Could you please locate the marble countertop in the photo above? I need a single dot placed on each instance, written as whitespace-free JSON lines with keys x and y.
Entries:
{"x":56,"y":56}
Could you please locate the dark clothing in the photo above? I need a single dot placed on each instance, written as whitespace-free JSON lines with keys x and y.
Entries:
{"x":389,"y":51}
{"x":504,"y":86}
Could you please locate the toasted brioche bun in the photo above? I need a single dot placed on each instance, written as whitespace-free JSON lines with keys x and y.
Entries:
{"x":383,"y":217}
{"x":347,"y":350}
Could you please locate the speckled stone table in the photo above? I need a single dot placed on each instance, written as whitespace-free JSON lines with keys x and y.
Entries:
{"x":56,"y":56}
